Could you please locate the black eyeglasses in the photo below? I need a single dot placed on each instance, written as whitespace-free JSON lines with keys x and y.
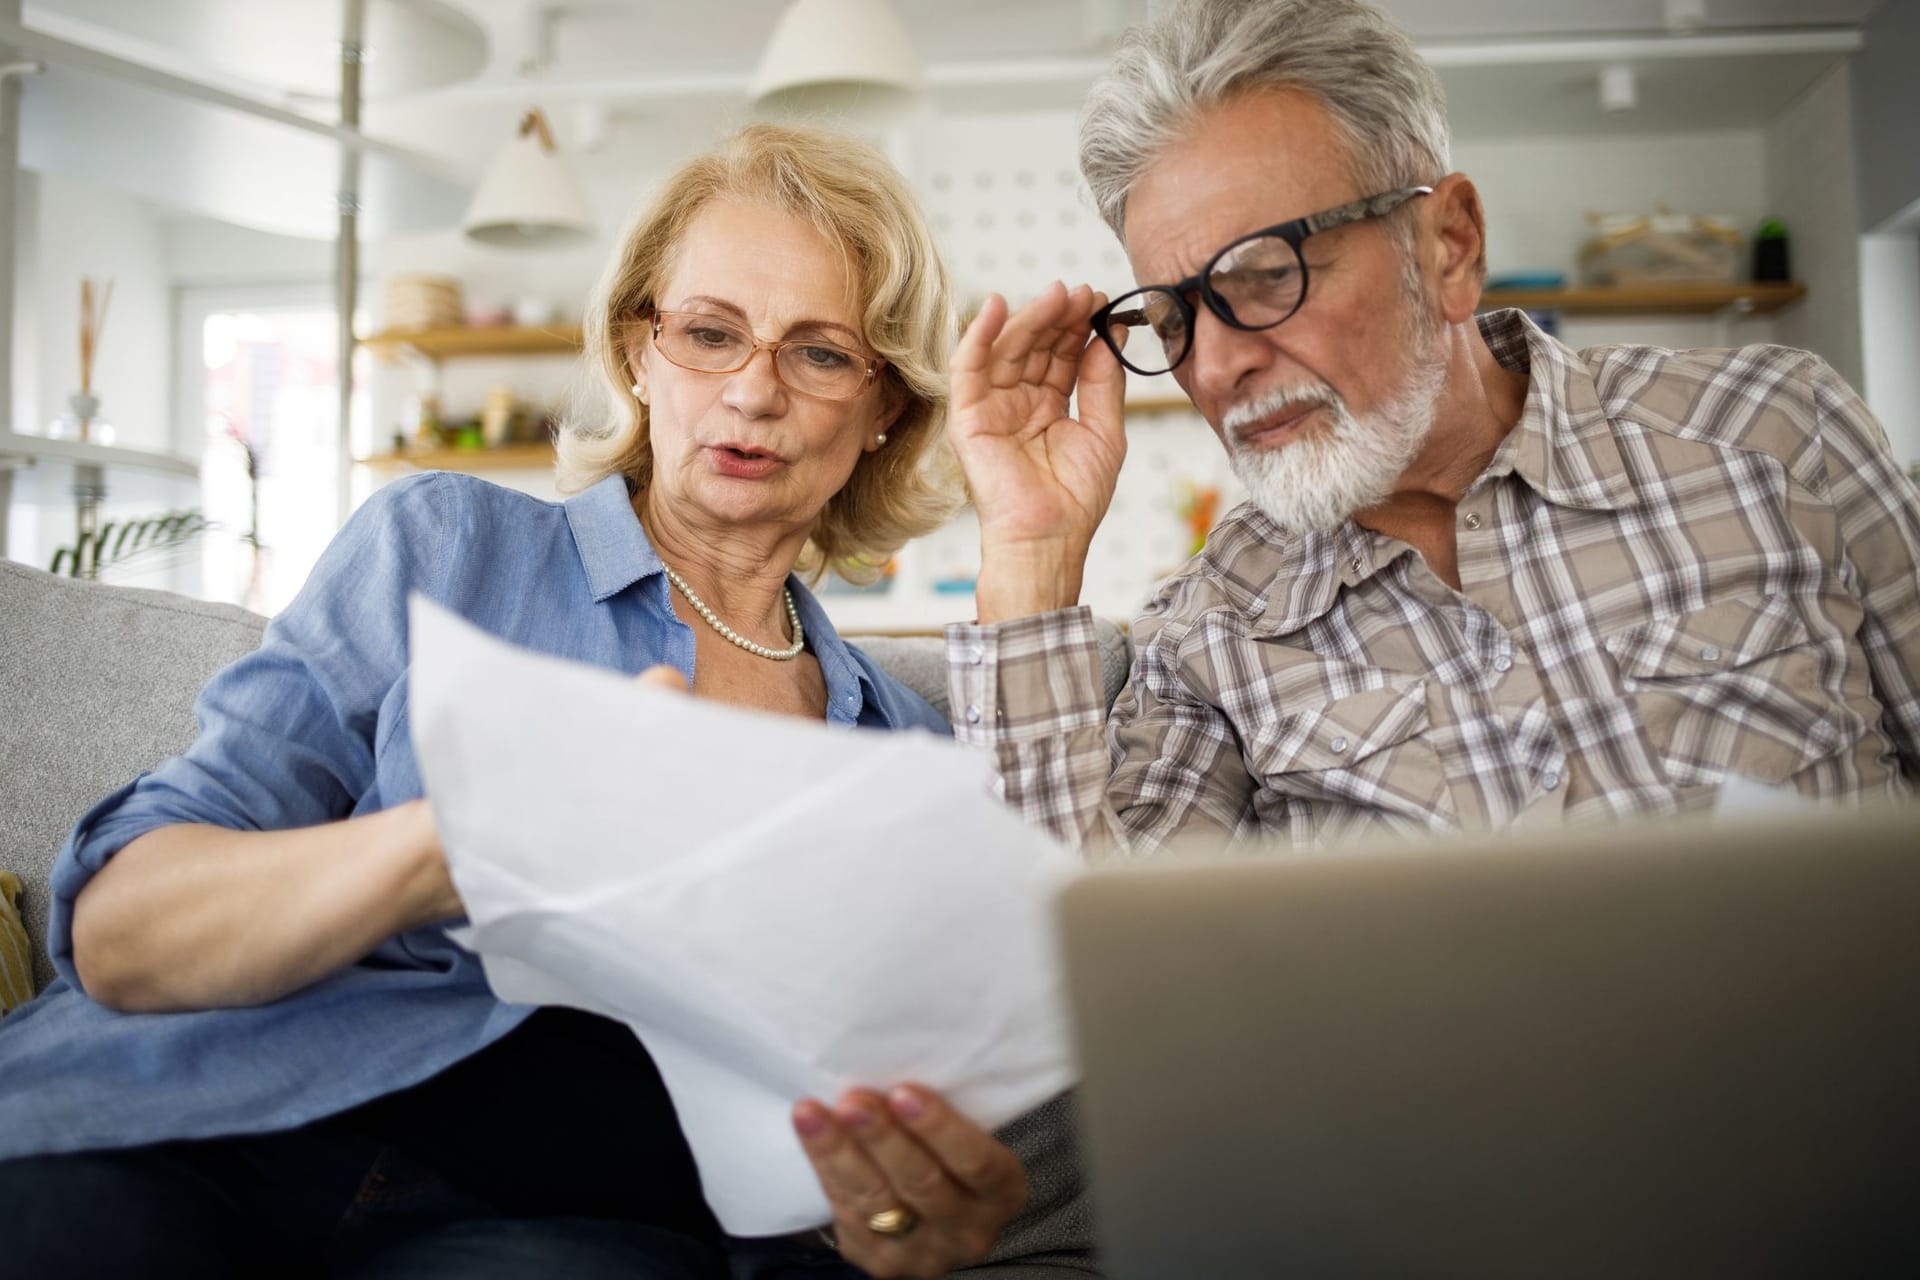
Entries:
{"x":1254,"y":283}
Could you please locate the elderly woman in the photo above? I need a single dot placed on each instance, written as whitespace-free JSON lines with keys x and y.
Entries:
{"x":265,"y":1056}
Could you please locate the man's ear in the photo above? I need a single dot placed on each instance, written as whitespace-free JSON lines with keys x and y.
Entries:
{"x":1456,"y":237}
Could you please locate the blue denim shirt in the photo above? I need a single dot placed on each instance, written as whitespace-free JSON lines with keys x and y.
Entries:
{"x":312,"y":727}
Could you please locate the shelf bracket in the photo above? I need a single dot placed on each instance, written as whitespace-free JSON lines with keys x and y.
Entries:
{"x":1740,"y":308}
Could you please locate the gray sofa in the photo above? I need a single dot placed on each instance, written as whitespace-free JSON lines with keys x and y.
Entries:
{"x":97,"y":683}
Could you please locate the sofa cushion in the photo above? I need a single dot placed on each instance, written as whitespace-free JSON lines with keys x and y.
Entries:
{"x":96,"y":685}
{"x":920,"y":662}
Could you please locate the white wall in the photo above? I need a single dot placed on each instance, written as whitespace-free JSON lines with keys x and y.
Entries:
{"x":88,"y":231}
{"x":1886,"y":147}
{"x":200,"y":251}
{"x":1886,"y":102}
{"x":1538,"y":192}
{"x":24,"y":410}
{"x":65,"y":230}
{"x":1890,"y":310}
{"x":1810,"y":187}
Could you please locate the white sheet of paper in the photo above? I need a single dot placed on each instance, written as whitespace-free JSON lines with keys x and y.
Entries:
{"x":779,"y":909}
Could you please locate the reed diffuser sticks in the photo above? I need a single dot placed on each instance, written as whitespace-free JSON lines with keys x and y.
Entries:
{"x":93,"y":318}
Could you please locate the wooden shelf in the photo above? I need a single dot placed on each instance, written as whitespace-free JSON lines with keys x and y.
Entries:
{"x":454,"y":343}
{"x":37,"y":471}
{"x":506,"y":457}
{"x":1651,"y":299}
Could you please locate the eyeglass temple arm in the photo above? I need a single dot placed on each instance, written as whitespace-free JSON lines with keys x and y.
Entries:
{"x":1371,"y":207}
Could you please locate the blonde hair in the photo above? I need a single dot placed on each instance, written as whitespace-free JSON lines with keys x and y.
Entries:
{"x":857,"y":200}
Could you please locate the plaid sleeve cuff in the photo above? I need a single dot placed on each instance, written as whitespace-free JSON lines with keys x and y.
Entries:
{"x":1031,"y":678}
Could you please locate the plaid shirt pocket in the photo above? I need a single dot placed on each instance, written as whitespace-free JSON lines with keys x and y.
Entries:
{"x":1735,"y":688}
{"x":1354,"y":762}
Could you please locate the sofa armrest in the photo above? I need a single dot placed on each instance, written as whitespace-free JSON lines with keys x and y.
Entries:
{"x":97,"y":684}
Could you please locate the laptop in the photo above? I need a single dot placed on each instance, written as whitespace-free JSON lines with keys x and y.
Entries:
{"x":1666,"y":1051}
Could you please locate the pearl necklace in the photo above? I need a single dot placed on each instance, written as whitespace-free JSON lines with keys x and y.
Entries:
{"x":787,"y":654}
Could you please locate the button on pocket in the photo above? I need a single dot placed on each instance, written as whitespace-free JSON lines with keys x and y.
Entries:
{"x":1363,"y":752}
{"x":1734,"y":688}
{"x":1717,"y":638}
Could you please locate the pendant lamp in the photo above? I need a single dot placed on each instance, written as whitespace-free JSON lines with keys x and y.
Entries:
{"x":529,"y":199}
{"x":836,"y":56}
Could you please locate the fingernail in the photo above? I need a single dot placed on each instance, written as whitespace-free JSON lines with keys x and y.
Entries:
{"x":857,"y":1115}
{"x":907,"y":1103}
{"x":810,"y":1119}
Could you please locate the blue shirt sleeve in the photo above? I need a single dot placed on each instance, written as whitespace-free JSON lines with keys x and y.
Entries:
{"x":288,"y":734}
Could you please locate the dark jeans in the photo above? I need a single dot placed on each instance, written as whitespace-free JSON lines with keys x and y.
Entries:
{"x":803,"y":1258}
{"x":319,"y":1201}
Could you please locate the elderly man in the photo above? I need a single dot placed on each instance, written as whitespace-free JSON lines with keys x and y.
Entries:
{"x":1483,"y":579}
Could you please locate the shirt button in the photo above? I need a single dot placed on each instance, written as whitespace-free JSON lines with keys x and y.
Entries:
{"x":1338,"y":745}
{"x":973,"y":714}
{"x":1710,"y":654}
{"x":1354,"y":564}
{"x":976,"y":656}
{"x":1549,"y":780}
{"x":1502,"y":663}
{"x":1473,"y":519}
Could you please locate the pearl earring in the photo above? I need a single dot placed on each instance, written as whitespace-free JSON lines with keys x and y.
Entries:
{"x":639,"y":393}
{"x":880,"y":439}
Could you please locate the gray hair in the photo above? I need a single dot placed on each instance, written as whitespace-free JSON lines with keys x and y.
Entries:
{"x":1353,"y":58}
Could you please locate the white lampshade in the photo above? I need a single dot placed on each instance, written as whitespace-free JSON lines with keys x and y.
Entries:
{"x":836,"y":56}
{"x":529,"y":199}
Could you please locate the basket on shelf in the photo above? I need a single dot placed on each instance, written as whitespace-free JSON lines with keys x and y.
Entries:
{"x":423,"y":301}
{"x":1660,"y":248}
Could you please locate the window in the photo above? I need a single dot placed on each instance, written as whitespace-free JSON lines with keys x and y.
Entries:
{"x":259,"y":379}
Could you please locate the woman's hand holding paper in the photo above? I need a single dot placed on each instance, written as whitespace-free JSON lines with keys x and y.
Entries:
{"x":910,"y":1151}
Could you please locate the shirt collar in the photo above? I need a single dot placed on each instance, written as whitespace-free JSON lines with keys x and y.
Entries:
{"x":1563,"y":444}
{"x":848,"y":684}
{"x":615,"y":553}
{"x":613,"y":547}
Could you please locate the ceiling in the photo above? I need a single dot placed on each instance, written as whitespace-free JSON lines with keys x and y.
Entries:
{"x":610,"y":39}
{"x":1513,"y":68}
{"x":649,"y":59}
{"x":288,"y":43}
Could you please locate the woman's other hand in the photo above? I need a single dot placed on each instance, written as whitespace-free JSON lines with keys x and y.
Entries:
{"x":663,"y":675}
{"x":910,"y":1150}
{"x":1040,"y":480}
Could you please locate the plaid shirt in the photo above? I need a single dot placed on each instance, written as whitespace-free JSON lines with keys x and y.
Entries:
{"x":1678,"y":567}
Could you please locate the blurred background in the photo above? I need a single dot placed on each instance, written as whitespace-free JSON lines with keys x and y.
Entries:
{"x":448,"y":177}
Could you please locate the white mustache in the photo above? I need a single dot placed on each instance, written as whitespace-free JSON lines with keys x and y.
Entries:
{"x":1247,"y":412}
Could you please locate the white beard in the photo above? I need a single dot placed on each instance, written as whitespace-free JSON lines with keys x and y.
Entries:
{"x":1314,"y":482}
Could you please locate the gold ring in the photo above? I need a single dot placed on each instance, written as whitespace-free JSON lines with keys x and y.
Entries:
{"x":896,"y":1222}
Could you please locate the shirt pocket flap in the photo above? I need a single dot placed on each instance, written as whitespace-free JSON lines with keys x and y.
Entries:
{"x":1720,"y":637}
{"x":1347,"y":730}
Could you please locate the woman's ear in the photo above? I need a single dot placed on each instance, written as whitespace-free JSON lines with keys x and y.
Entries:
{"x":894,"y":403}
{"x":637,"y":366}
